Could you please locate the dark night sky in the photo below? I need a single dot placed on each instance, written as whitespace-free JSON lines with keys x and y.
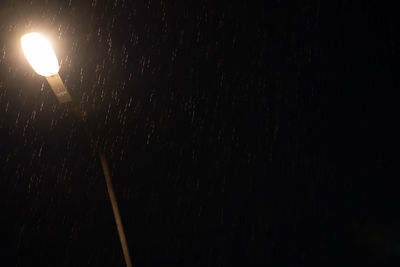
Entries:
{"x":237,"y":134}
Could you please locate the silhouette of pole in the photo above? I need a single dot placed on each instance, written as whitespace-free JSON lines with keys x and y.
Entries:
{"x":114,"y":204}
{"x":110,"y":188}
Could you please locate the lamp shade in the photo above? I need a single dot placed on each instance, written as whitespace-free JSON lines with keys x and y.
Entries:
{"x":40,"y":54}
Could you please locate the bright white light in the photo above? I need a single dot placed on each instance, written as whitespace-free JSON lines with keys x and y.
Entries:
{"x":40,"y":54}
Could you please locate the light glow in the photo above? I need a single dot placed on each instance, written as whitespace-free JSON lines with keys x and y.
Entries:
{"x":40,"y":54}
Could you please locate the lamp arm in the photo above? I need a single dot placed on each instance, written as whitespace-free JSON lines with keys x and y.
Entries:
{"x":58,"y":88}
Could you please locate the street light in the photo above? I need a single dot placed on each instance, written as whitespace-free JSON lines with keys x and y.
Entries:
{"x":43,"y":60}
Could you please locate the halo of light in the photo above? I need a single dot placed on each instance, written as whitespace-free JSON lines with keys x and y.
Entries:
{"x":40,"y":54}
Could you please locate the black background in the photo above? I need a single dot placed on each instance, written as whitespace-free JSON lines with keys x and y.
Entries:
{"x":238,"y":134}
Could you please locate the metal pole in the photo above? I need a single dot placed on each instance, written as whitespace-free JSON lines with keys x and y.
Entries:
{"x":115,"y":209}
{"x":110,"y":188}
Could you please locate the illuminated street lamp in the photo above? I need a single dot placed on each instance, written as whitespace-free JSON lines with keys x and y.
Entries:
{"x":41,"y":56}
{"x":43,"y":60}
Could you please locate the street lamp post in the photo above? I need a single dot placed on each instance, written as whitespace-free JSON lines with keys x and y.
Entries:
{"x":43,"y":60}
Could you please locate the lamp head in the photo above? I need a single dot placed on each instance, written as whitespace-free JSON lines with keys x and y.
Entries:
{"x":40,"y":54}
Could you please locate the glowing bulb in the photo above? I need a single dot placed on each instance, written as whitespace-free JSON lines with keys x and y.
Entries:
{"x":40,"y":54}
